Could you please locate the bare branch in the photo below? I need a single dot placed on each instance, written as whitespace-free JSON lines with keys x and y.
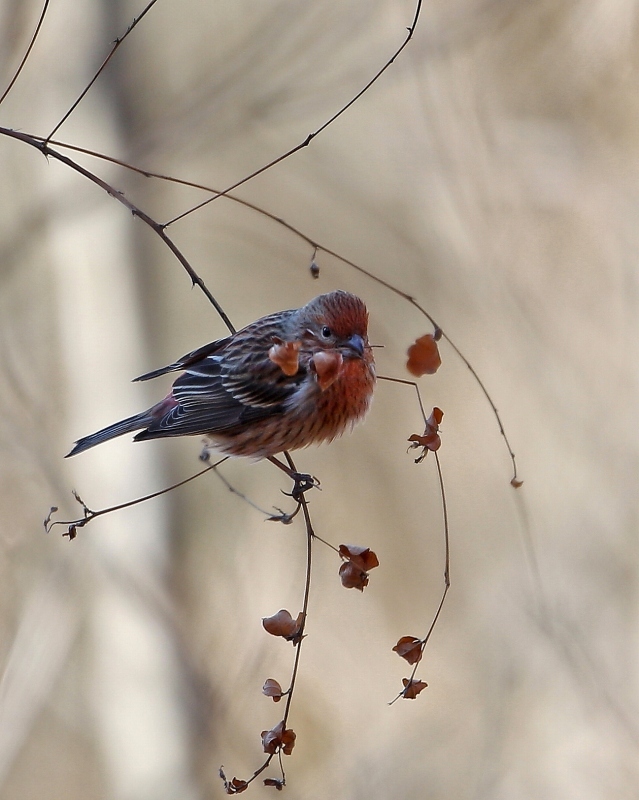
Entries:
{"x":46,"y":150}
{"x":407,"y":383}
{"x":116,"y":44}
{"x":28,"y":51}
{"x":311,"y":136}
{"x":89,"y":515}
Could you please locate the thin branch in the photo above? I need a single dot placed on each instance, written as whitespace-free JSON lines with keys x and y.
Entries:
{"x":44,"y":148}
{"x":424,"y":641}
{"x":407,"y":383}
{"x":281,"y":516}
{"x":116,"y":44}
{"x":193,"y":185}
{"x":311,"y":136}
{"x":89,"y":515}
{"x":235,"y":786}
{"x":28,"y":51}
{"x":310,"y":534}
{"x":328,"y":544}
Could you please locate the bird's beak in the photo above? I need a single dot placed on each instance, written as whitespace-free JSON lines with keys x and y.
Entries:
{"x":356,"y":344}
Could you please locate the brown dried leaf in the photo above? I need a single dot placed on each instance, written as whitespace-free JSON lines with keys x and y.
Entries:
{"x":278,"y":738}
{"x":327,"y":364}
{"x":430,"y":439}
{"x":271,"y":740}
{"x":288,"y":741}
{"x":423,"y":356}
{"x":362,"y":557}
{"x":272,"y":689}
{"x":277,"y":782}
{"x":283,"y":624}
{"x":516,"y":483}
{"x":353,"y":577}
{"x":234,"y":786}
{"x":286,"y":356}
{"x":359,"y":561}
{"x":412,"y":688}
{"x":72,"y":532}
{"x":409,"y":648}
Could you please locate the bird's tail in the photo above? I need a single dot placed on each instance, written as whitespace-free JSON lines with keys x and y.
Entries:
{"x":117,"y":429}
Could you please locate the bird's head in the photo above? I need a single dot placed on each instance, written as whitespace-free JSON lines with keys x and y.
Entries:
{"x":335,"y":321}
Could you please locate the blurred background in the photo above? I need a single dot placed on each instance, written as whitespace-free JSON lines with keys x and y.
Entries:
{"x":491,"y":173}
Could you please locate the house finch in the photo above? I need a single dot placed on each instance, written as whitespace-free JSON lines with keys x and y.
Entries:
{"x":288,"y":380}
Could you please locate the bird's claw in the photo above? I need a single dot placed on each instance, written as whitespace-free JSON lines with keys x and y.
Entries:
{"x":302,"y":482}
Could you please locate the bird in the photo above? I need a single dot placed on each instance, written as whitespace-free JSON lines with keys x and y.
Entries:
{"x":288,"y":380}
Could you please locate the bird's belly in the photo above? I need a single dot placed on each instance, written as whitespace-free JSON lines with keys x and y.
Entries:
{"x":313,"y":416}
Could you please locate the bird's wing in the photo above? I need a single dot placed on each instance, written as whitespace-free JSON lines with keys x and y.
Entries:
{"x":216,"y":394}
{"x":190,"y":358}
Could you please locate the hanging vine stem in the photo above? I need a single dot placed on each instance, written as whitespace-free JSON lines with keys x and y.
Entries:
{"x":310,"y":535}
{"x":237,"y":785}
{"x":423,"y":642}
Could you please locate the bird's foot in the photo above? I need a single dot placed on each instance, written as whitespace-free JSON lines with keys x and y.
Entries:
{"x":302,"y":483}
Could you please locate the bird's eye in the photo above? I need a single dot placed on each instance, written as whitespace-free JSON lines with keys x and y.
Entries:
{"x":326,"y":332}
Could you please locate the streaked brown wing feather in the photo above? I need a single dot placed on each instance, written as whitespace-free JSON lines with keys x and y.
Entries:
{"x":190,"y":358}
{"x":228,"y":383}
{"x":213,"y":396}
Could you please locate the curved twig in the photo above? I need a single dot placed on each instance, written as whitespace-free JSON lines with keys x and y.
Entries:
{"x":89,"y":515}
{"x":311,"y":136}
{"x":110,"y":55}
{"x":46,"y":150}
{"x":28,"y":51}
{"x":442,"y":599}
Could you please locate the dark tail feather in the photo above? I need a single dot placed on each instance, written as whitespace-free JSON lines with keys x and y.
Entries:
{"x":124,"y":426}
